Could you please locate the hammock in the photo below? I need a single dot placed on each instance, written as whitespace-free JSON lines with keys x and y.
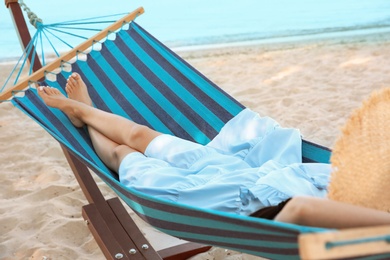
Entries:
{"x":139,"y":78}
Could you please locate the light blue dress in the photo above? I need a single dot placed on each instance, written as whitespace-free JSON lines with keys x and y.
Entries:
{"x":251,"y":164}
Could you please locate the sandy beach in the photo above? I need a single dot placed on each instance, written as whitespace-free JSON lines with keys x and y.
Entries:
{"x":311,"y":85}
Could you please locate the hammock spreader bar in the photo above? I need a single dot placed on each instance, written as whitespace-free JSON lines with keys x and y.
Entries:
{"x":39,"y":74}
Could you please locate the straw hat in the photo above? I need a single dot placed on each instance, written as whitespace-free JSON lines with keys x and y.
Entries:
{"x":361,"y":156}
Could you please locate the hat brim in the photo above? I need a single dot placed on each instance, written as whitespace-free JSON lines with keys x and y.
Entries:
{"x":361,"y":156}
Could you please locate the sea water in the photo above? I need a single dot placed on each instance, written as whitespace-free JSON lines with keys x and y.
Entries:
{"x":199,"y":22}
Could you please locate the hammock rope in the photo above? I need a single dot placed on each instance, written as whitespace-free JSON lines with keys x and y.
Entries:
{"x":55,"y":38}
{"x":33,"y":18}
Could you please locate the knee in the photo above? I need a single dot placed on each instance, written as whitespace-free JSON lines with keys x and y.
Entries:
{"x":297,"y":210}
{"x":138,"y":132}
{"x":118,"y":153}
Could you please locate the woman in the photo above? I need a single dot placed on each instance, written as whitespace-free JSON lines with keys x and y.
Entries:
{"x":255,"y":171}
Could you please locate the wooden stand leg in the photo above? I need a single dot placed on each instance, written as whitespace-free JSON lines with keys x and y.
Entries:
{"x":183,"y":251}
{"x":138,"y":247}
{"x":178,"y":252}
{"x":102,"y":234}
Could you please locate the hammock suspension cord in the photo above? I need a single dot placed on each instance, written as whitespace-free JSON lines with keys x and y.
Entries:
{"x":33,"y":18}
{"x":55,"y":38}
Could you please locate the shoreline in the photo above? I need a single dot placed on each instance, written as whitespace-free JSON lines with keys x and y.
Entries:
{"x":279,"y":41}
{"x":312,"y":86}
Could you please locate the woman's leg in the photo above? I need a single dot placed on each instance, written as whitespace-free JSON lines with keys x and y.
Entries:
{"x":109,"y":152}
{"x":116,"y":128}
{"x":327,"y":213}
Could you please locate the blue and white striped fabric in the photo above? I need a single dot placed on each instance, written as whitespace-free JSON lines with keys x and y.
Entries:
{"x":137,"y":77}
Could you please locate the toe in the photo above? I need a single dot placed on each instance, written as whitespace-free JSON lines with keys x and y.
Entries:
{"x":68,"y":88}
{"x":56,"y":91}
{"x":52,"y":91}
{"x":47,"y":90}
{"x":76,"y":76}
{"x":41,"y":90}
{"x":70,"y":79}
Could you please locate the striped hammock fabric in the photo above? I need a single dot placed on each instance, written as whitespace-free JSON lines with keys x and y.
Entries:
{"x":137,"y":77}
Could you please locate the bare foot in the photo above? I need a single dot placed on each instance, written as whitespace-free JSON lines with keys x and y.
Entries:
{"x":54,"y":98}
{"x":77,"y":90}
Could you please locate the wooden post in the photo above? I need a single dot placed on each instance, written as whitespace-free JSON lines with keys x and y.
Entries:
{"x":22,"y":29}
